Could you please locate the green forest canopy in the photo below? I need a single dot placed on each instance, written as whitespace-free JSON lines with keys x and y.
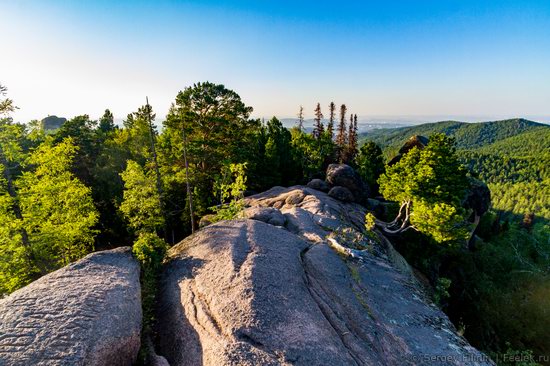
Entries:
{"x":93,"y":185}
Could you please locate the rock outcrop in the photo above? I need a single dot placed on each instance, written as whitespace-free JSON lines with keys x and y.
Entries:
{"x":317,"y":291}
{"x":342,"y":194}
{"x":268,"y":215}
{"x":319,"y":185}
{"x":52,"y":123}
{"x":88,"y":313}
{"x":478,"y":197}
{"x":345,"y":176}
{"x":298,"y":281}
{"x":414,"y":141}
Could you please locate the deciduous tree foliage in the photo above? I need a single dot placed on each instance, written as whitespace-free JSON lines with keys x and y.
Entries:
{"x":141,"y":203}
{"x":54,"y":183}
{"x":370,"y":164}
{"x":230,"y":186}
{"x":58,"y":216}
{"x":59,"y":213}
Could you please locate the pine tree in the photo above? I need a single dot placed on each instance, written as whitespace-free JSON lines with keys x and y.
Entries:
{"x":351,"y":151}
{"x":330,"y":125}
{"x":341,"y":138}
{"x":318,"y":129}
{"x":430,"y":185}
{"x":217,"y":129}
{"x":301,"y":119}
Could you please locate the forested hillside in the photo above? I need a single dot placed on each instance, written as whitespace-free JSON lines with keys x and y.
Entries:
{"x":512,"y":156}
{"x":467,"y":135}
{"x":517,"y":170}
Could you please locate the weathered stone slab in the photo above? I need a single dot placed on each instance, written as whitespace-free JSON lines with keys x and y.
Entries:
{"x":88,"y":313}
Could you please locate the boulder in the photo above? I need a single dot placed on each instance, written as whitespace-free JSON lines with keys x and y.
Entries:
{"x":243,"y":292}
{"x":242,"y":300}
{"x":342,"y":194}
{"x":268,"y":215}
{"x":478,"y":197}
{"x":207,"y":220}
{"x":414,"y":141}
{"x":88,"y":313}
{"x":52,"y":123}
{"x":345,"y":176}
{"x":323,"y":211}
{"x":295,"y":197}
{"x":319,"y":185}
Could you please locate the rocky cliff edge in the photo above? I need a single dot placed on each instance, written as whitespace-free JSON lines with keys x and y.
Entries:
{"x":298,"y":282}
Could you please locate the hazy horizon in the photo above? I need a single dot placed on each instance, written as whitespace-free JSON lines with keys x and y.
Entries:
{"x":425,"y":61}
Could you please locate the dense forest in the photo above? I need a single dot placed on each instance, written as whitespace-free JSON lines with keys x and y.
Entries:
{"x":71,"y":186}
{"x":68,"y":187}
{"x":498,"y":291}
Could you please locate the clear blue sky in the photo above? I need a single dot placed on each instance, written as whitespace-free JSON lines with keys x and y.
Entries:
{"x":382,"y":58}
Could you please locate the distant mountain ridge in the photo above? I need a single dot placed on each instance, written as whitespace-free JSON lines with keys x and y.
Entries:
{"x":467,"y":135}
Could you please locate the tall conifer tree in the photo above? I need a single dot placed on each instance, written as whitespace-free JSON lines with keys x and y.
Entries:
{"x":351,"y":152}
{"x":341,"y":138}
{"x":301,"y":119}
{"x":318,"y":129}
{"x":330,"y":125}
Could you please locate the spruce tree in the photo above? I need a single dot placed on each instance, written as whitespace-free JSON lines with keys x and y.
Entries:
{"x":351,"y":152}
{"x":301,"y":119}
{"x":330,"y":125}
{"x":318,"y":129}
{"x":341,"y":138}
